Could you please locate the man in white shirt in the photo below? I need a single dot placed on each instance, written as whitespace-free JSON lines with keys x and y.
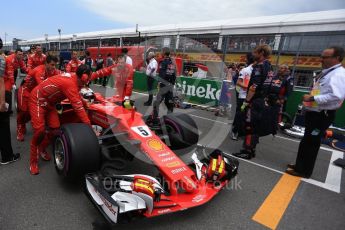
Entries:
{"x":321,"y":104}
{"x":128,"y":58}
{"x":151,"y":72}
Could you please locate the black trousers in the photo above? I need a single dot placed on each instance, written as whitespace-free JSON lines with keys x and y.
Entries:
{"x":105,"y":81}
{"x":316,"y":123}
{"x":251,"y":138}
{"x":261,"y":120}
{"x":165,"y":93}
{"x":150,"y":81}
{"x":236,"y":123}
{"x":8,"y":98}
{"x":5,"y":133}
{"x":100,"y":80}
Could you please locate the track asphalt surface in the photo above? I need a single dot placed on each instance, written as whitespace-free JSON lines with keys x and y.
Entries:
{"x":48,"y":202}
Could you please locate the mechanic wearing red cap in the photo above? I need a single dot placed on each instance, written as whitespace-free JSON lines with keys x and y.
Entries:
{"x":36,"y":59}
{"x":34,"y":78}
{"x":42,"y":103}
{"x":73,"y":64}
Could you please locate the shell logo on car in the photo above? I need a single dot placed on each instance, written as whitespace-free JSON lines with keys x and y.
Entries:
{"x":155,"y":145}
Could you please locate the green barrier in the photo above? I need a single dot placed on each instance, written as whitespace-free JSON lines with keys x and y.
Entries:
{"x":296,"y":98}
{"x":340,"y":117}
{"x":198,"y":91}
{"x":139,"y":82}
{"x":293,"y":101}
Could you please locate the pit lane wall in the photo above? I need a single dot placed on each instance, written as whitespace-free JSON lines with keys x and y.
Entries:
{"x":206,"y":92}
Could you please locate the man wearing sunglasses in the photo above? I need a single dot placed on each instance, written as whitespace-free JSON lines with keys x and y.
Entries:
{"x":325,"y":98}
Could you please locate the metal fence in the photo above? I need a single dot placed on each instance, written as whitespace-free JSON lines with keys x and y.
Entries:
{"x":300,"y":51}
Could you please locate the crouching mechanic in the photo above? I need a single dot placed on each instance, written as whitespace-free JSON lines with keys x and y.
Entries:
{"x":34,"y":78}
{"x":42,"y":103}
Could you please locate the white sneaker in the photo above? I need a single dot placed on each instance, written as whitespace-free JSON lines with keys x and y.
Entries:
{"x":15,"y":157}
{"x":234,"y":136}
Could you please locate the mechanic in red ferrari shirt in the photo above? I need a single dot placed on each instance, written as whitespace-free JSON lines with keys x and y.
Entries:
{"x":123,"y":78}
{"x":13,"y":62}
{"x":73,"y":64}
{"x":42,"y":103}
{"x":36,"y":59}
{"x":34,"y":78}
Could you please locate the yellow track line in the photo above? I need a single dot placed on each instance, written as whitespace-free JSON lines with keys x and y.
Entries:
{"x":275,"y":204}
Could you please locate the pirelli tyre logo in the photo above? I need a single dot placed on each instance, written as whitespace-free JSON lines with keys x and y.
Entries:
{"x":155,"y":145}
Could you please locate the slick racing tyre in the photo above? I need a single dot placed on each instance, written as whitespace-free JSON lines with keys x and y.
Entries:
{"x":181,"y":129}
{"x":76,"y":151}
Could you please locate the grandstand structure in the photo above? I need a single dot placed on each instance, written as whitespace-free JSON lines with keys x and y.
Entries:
{"x":296,"y":40}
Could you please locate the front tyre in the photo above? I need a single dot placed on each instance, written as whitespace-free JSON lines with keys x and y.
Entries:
{"x":76,"y":151}
{"x":182,"y":130}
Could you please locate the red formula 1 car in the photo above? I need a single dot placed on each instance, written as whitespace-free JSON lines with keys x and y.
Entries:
{"x":125,"y":134}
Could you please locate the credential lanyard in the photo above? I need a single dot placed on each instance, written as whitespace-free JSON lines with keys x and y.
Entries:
{"x":322,"y":75}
